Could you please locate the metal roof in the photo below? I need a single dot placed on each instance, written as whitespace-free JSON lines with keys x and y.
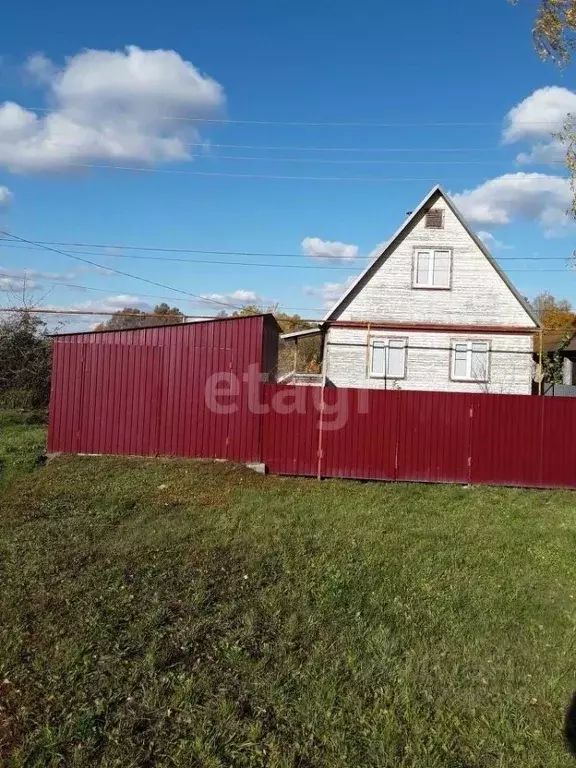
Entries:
{"x":299,"y":334}
{"x":267,"y":315}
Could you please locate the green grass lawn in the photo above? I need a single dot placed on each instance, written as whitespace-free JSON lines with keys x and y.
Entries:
{"x":22,"y":443}
{"x":173,"y":613}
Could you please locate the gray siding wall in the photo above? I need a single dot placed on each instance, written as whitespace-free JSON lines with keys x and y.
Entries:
{"x":478,"y":295}
{"x":428,"y":361}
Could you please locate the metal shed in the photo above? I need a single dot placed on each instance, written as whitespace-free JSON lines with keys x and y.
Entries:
{"x":151,"y":391}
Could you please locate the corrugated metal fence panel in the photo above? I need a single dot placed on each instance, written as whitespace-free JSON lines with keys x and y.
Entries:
{"x":290,"y":429}
{"x":421,"y":436}
{"x":506,"y":445}
{"x":196,"y":390}
{"x":433,"y":437}
{"x":360,"y":434}
{"x":558,"y":442}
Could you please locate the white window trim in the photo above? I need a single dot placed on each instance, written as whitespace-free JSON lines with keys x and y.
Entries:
{"x":469,"y":377}
{"x":385,"y":340}
{"x":432,"y":253}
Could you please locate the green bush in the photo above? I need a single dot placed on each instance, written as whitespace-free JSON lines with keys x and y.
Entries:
{"x":17,"y":398}
{"x":13,"y":417}
{"x":25,"y":362}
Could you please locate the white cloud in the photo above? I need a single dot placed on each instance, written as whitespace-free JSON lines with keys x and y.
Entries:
{"x":40,"y":68}
{"x":517,"y":196}
{"x":536,"y":119}
{"x":330,"y":292}
{"x":12,"y":284}
{"x":28,"y":274}
{"x":110,"y":304}
{"x":328,"y":249}
{"x":378,"y":250}
{"x":240,"y":296}
{"x":540,"y":114}
{"x":552,"y":153}
{"x":492,"y":242}
{"x":130,"y":105}
{"x":5,"y":196}
{"x":66,"y":323}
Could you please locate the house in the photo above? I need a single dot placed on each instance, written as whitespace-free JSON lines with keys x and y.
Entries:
{"x":434,"y":311}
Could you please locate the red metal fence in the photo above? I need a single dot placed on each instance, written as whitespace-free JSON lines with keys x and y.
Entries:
{"x":420,"y":436}
{"x":148,"y":391}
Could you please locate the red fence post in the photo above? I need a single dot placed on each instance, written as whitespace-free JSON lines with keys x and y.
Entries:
{"x":320,"y":435}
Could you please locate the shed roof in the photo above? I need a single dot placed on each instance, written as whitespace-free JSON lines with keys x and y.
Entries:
{"x":267,"y":315}
{"x":298,"y":334}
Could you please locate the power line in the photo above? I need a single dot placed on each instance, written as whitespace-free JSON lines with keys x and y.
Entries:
{"x":318,"y":321}
{"x":267,"y":265}
{"x":258,"y":254}
{"x":206,"y":300}
{"x":376,"y":124}
{"x":363,"y":161}
{"x":117,"y":271}
{"x":21,"y":278}
{"x":209,"y":145}
{"x":292,"y":177}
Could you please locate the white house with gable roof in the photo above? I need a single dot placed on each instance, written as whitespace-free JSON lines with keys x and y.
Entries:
{"x":433,"y":312}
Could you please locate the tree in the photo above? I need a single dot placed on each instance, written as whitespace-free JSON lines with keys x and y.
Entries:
{"x":304,"y":355}
{"x":568,"y":138}
{"x":555,"y":38}
{"x":25,"y":361}
{"x":555,"y":30}
{"x":554,"y":314}
{"x":131,"y":317}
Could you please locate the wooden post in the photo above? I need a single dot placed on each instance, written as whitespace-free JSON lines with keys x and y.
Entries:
{"x":540,"y":361}
{"x":368,"y":351}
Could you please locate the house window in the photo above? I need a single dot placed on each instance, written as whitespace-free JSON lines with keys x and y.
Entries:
{"x":432,"y":268}
{"x":434,"y":219}
{"x":470,"y":360}
{"x":388,"y":358}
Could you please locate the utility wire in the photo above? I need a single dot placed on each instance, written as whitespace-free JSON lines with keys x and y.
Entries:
{"x":359,"y":161}
{"x":117,"y":271}
{"x":267,"y":265}
{"x":206,"y":300}
{"x":209,"y":145}
{"x":418,"y":124}
{"x":258,"y":254}
{"x":292,"y":177}
{"x":76,"y":312}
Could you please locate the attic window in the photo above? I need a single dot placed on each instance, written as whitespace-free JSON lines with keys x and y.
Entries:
{"x":434,"y":219}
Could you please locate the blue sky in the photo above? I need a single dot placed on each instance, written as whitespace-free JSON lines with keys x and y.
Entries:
{"x":73,"y":95}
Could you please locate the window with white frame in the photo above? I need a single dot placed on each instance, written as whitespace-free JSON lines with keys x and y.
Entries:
{"x":388,"y":358}
{"x":432,"y":268}
{"x":470,"y":360}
